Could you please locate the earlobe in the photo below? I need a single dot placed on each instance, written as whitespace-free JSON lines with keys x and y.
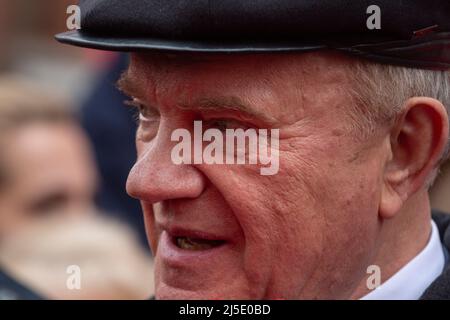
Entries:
{"x":417,"y":142}
{"x":392,"y":200}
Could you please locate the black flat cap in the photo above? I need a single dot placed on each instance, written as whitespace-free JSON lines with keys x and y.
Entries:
{"x":415,"y":33}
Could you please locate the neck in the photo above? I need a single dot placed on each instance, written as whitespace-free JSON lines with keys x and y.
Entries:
{"x":400,"y":239}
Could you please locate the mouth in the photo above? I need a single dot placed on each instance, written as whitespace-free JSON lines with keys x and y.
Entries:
{"x":196,"y":244}
{"x":185,"y":247}
{"x":192,"y":249}
{"x":186,"y":258}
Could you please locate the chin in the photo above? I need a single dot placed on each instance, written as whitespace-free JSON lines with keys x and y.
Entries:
{"x":216,"y":291}
{"x":170,"y":293}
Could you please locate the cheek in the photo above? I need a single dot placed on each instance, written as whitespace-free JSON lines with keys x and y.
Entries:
{"x":140,"y":146}
{"x":281,"y":241}
{"x":338,"y":201}
{"x":305,"y":220}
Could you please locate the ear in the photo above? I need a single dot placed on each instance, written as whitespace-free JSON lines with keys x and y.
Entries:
{"x":417,"y":142}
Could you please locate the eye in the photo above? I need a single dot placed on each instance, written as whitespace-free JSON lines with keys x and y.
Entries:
{"x":48,"y":204}
{"x":144,"y":113}
{"x":224,"y":124}
{"x":148,"y":119}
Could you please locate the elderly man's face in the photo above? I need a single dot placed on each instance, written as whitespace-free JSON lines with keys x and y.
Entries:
{"x":307,"y":231}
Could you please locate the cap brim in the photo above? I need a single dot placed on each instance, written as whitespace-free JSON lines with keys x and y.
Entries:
{"x":117,"y":43}
{"x":427,"y":52}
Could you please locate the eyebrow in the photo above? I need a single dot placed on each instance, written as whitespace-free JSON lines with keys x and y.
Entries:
{"x":226,"y":103}
{"x":128,"y":84}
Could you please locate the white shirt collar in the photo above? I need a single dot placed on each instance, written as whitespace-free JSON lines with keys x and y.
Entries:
{"x":410,"y":282}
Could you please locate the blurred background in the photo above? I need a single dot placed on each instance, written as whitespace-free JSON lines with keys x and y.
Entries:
{"x":67,"y":144}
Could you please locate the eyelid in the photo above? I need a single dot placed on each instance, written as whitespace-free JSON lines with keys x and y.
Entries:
{"x":244,"y":118}
{"x":228,"y":123}
{"x":244,"y":121}
{"x":142,"y":108}
{"x":133,"y":102}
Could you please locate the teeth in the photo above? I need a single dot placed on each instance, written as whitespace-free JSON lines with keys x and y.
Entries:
{"x":195,"y":244}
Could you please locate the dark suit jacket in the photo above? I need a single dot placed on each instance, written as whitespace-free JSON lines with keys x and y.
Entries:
{"x":440,"y":288}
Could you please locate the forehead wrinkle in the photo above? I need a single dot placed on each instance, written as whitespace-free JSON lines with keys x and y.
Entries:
{"x":169,"y":83}
{"x":224,"y":103}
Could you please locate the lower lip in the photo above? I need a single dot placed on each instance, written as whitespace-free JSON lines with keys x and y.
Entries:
{"x":177,"y":257}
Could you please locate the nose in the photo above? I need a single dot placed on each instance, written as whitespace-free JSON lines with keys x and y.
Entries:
{"x":156,"y":178}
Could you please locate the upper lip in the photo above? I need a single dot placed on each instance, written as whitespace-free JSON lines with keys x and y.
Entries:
{"x":178,"y":231}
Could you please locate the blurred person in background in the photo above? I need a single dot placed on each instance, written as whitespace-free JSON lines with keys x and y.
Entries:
{"x":111,"y":264}
{"x":86,"y":77}
{"x":47,"y":171}
{"x":440,"y":191}
{"x":46,"y":164}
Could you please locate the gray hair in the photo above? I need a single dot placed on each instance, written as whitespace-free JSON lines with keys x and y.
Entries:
{"x":380,"y":92}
